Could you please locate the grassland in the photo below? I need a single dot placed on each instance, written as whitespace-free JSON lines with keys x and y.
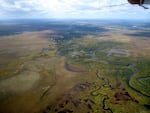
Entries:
{"x":97,"y":72}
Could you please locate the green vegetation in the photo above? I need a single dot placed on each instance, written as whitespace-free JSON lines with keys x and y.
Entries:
{"x":79,"y":75}
{"x":130,"y":70}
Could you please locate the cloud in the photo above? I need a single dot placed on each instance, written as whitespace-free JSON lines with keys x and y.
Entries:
{"x":16,"y":8}
{"x":69,"y":9}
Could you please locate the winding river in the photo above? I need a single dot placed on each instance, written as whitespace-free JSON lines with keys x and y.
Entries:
{"x":106,"y":84}
{"x":136,"y":90}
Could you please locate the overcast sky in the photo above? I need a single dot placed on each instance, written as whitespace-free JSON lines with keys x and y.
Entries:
{"x":68,"y":9}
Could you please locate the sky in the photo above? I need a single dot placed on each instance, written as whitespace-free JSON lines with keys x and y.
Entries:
{"x":71,"y":9}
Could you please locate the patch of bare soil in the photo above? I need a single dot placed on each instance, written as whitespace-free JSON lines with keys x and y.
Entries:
{"x":123,"y":96}
{"x":117,"y":85}
{"x":71,"y":102}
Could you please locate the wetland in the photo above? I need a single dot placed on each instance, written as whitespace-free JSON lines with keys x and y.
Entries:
{"x":74,"y":66}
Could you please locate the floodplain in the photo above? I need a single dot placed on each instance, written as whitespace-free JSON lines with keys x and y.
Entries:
{"x":75,"y":67}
